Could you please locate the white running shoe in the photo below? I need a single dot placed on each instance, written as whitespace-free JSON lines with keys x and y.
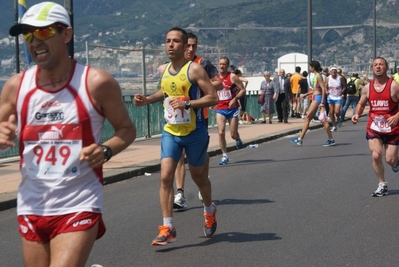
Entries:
{"x":180,"y":202}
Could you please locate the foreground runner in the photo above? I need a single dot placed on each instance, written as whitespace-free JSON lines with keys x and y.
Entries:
{"x":382,"y":94}
{"x":185,"y":90}
{"x":61,"y":107}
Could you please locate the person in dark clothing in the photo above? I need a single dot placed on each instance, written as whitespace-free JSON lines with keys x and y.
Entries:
{"x":304,"y":88}
{"x":283,"y":98}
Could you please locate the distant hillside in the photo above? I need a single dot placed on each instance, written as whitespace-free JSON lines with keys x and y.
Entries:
{"x":150,"y":19}
{"x":147,"y":21}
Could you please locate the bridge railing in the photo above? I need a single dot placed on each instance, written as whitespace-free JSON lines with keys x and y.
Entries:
{"x":149,"y":119}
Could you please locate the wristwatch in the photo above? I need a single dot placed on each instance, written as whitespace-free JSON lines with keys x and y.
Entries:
{"x":187,"y":104}
{"x":107,"y":152}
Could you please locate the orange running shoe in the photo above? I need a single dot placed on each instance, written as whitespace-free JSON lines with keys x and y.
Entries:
{"x":165,"y":236}
{"x":210,"y":222}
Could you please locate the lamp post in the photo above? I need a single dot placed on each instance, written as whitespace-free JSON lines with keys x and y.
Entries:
{"x":16,"y":16}
{"x":374,"y":29}
{"x":68,"y":4}
{"x":310,"y":36}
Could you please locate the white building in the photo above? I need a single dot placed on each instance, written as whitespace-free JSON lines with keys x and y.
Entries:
{"x":288,"y":62}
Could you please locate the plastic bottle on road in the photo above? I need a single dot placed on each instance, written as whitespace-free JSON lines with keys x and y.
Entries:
{"x":253,"y":146}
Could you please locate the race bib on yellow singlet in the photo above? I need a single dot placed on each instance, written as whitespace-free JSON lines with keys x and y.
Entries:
{"x":52,"y":151}
{"x":224,"y":94}
{"x":178,"y":116}
{"x":380,"y":124}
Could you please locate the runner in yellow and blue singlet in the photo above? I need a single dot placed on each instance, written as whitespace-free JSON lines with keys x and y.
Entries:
{"x":183,"y":128}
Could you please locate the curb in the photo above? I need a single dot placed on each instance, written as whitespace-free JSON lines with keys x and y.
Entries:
{"x":9,"y":200}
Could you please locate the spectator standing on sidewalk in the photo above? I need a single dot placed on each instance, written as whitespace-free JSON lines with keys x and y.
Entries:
{"x":304,"y":96}
{"x":296,"y":103}
{"x":180,"y":202}
{"x":352,"y":99}
{"x":319,"y":93}
{"x":283,"y":96}
{"x":227,"y":108}
{"x":382,"y":131}
{"x":344,"y":85}
{"x":269,"y":92}
{"x":61,"y":106}
{"x":185,"y":91}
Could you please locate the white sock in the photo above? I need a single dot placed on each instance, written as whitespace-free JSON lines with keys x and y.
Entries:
{"x":225,"y":155}
{"x":208,"y":210}
{"x":168,"y":221}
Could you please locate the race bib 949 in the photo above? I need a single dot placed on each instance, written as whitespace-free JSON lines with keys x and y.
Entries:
{"x":52,"y":151}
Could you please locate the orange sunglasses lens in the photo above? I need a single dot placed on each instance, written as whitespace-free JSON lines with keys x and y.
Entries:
{"x":40,"y":34}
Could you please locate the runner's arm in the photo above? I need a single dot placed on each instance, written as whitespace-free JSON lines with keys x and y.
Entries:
{"x":8,"y":114}
{"x":241,"y":89}
{"x":107,"y":96}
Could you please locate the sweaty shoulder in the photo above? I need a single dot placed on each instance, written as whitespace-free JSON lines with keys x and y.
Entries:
{"x":195,"y":71}
{"x":8,"y":97}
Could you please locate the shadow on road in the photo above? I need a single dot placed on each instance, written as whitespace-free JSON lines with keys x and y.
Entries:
{"x":232,"y":237}
{"x":232,"y":201}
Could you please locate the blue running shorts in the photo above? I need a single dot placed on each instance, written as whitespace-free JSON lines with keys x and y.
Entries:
{"x":334,"y":101}
{"x":317,"y":98}
{"x":195,"y":144}
{"x":228,"y":113}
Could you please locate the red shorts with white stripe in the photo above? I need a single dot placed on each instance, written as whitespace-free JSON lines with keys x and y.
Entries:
{"x":44,"y":228}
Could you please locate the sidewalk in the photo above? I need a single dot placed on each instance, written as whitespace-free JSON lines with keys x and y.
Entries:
{"x":143,"y":155}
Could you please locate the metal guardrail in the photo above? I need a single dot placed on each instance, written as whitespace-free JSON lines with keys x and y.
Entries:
{"x":149,"y":119}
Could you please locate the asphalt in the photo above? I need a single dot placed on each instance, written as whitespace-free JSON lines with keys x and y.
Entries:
{"x":142,"y":157}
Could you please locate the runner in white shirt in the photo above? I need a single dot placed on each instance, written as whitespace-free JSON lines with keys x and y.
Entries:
{"x":336,"y":89}
{"x":60,"y":106}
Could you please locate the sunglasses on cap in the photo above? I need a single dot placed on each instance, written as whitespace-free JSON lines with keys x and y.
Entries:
{"x":42,"y":33}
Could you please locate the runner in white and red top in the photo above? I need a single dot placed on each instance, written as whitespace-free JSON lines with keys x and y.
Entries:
{"x":336,"y":88}
{"x":227,"y":108}
{"x":60,"y":107}
{"x":382,"y":94}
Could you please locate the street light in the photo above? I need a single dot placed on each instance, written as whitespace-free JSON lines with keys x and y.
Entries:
{"x":310,"y":56}
{"x":374,"y":29}
{"x":68,"y":4}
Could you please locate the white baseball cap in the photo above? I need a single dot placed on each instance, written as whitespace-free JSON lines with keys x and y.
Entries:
{"x":333,"y":68}
{"x":41,"y":15}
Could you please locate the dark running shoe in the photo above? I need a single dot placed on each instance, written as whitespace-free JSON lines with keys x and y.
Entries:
{"x":165,"y":236}
{"x":395,"y":167}
{"x":296,"y":141}
{"x":329,"y":142}
{"x":238,"y":143}
{"x":210,"y":222}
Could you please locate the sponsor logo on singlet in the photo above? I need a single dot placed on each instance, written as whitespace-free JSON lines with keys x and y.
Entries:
{"x":54,"y":134}
{"x":50,"y":116}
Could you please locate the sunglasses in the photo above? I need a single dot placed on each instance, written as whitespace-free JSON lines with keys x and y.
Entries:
{"x":41,"y":33}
